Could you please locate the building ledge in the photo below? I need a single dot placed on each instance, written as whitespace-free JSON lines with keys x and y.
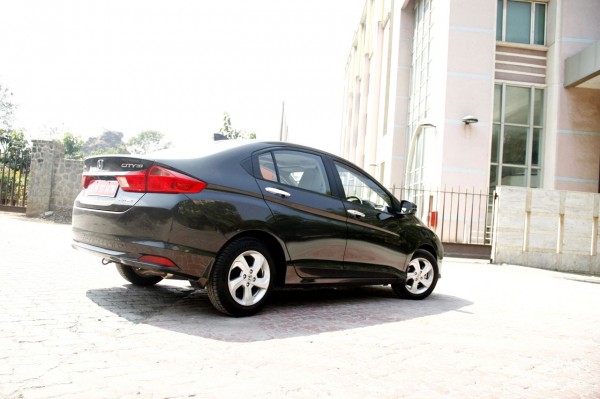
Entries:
{"x":583,"y":69}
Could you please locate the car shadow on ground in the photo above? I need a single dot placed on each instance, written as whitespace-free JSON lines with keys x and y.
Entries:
{"x":289,"y":313}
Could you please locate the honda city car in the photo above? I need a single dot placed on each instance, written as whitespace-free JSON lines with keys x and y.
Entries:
{"x":243,"y":219}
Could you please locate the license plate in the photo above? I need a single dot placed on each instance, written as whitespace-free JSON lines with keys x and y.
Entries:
{"x":103,"y":188}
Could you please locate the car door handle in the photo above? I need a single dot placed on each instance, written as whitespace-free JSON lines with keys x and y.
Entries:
{"x":276,"y":191}
{"x":356,"y":213}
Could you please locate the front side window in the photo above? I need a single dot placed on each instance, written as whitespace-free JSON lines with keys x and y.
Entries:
{"x":296,"y":169}
{"x":358,"y":188}
{"x":521,"y":22}
{"x":517,"y":136}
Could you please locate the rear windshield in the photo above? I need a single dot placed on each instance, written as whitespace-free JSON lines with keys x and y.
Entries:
{"x":197,"y":150}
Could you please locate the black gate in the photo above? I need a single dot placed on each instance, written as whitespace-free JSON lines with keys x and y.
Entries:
{"x":463,"y":219}
{"x":14,"y":174}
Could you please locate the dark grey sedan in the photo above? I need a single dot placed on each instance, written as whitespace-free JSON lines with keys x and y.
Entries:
{"x":242,"y":219}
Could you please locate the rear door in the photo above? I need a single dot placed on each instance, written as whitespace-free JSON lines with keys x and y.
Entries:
{"x":306,"y":216}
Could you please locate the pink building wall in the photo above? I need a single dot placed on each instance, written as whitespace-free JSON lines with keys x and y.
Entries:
{"x":578,"y":117}
{"x":469,"y":91}
{"x":376,"y":127}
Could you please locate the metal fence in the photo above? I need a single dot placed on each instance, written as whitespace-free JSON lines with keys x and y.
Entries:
{"x":14,"y":174}
{"x":457,"y":216}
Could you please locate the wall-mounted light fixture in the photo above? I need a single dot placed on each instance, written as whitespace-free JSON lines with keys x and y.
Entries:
{"x":467,"y":120}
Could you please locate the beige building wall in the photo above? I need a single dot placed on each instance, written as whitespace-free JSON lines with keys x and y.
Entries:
{"x":377,"y":72}
{"x":547,"y":229}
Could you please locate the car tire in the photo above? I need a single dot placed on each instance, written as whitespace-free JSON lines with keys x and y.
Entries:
{"x":241,"y":278}
{"x":130,"y":274}
{"x":421,"y":277}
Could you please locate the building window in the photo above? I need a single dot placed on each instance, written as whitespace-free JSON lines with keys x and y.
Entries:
{"x":517,"y":135}
{"x":420,"y":92}
{"x":521,"y":22}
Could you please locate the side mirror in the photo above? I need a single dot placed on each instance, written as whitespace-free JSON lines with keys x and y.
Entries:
{"x":407,"y":208}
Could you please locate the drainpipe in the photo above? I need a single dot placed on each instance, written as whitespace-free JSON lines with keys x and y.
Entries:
{"x":411,"y":149}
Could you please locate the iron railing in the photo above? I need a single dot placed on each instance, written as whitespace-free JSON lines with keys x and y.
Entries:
{"x":14,"y":174}
{"x":457,"y":216}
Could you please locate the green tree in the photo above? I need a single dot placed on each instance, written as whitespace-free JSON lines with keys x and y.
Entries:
{"x":10,"y":140}
{"x":146,"y":142}
{"x":14,"y":150}
{"x":6,"y":109}
{"x":14,"y":147}
{"x":108,"y":143}
{"x":14,"y":153}
{"x":73,"y":146}
{"x":13,"y":141}
{"x":228,"y":131}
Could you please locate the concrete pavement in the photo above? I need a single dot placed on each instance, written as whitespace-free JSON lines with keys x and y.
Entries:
{"x":72,"y":328}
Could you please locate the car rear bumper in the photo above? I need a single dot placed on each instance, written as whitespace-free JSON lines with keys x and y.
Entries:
{"x":123,"y":258}
{"x":124,"y":237}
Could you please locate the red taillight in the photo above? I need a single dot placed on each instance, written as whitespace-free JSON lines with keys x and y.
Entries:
{"x":158,"y":260}
{"x":160,"y":180}
{"x":86,"y":181}
{"x":133,"y":181}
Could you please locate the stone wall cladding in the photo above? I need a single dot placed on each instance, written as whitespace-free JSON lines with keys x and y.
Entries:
{"x":54,"y":180}
{"x":40,"y":177}
{"x":66,"y":183}
{"x":547,"y":229}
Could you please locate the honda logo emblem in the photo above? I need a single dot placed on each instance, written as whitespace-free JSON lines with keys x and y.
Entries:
{"x":100,"y":164}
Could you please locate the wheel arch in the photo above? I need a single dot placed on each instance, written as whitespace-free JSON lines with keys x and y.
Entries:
{"x":433,"y":251}
{"x":274,"y":245}
{"x":429,"y":248}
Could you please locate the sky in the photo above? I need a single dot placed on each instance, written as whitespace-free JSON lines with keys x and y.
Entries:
{"x":176,"y":66}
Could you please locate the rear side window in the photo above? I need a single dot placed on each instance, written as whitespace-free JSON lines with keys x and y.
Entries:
{"x":267,"y":167}
{"x":295,"y":168}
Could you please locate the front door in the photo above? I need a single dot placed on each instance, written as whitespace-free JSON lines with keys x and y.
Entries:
{"x":376,"y":247}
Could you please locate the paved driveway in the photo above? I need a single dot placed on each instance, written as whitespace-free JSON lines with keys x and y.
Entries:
{"x":71,"y":327}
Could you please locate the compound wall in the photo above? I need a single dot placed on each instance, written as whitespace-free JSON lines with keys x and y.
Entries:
{"x":547,"y":229}
{"x":54,"y":181}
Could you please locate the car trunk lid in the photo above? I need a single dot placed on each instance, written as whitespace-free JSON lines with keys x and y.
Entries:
{"x":101,"y":188}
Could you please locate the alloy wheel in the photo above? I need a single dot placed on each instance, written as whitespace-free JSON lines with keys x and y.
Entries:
{"x":420,"y":275}
{"x":248,"y":278}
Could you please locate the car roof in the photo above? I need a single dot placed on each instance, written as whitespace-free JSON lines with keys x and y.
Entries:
{"x":232,"y":147}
